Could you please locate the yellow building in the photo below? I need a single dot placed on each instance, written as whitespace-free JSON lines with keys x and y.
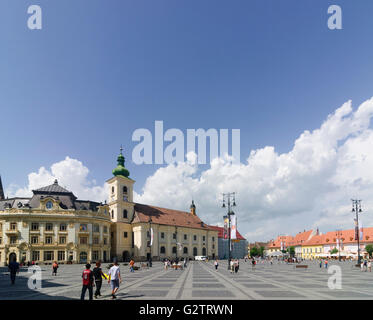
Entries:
{"x":54,"y":225}
{"x":312,"y":248}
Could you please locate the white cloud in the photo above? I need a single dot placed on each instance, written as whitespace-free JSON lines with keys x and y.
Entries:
{"x":309,"y":186}
{"x":70,"y":173}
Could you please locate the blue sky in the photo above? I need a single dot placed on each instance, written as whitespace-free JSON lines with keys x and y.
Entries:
{"x":98,"y":70}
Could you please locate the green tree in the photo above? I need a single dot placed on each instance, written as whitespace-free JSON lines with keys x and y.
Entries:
{"x":369,"y":249}
{"x":261,"y":251}
{"x":291,"y":251}
{"x":335,"y":250}
{"x":254,"y":252}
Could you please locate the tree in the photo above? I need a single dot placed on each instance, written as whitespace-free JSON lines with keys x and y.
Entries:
{"x":291,"y":251}
{"x":335,"y":250}
{"x":254,"y":252}
{"x":261,"y":251}
{"x":369,"y":249}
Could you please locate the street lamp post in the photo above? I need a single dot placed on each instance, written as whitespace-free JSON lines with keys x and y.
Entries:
{"x":227,"y":197}
{"x":356,"y":207}
{"x":338,"y":234}
{"x":150,"y":241}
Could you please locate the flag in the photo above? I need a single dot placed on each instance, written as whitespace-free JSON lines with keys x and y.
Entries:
{"x":282,"y":246}
{"x":151,"y":236}
{"x":234,"y":227}
{"x":338,"y":244}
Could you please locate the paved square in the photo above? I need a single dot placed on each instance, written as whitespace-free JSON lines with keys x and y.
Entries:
{"x":201,"y":280}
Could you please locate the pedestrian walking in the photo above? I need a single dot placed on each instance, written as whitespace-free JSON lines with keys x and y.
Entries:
{"x":326,"y":264}
{"x":253,"y":263}
{"x":114,"y":279}
{"x":365,"y":265}
{"x":166,"y":264}
{"x":132,"y":263}
{"x":232,"y":265}
{"x":54,"y":267}
{"x":236,"y":266}
{"x":216,"y":264}
{"x":320,"y":263}
{"x":87,"y":282}
{"x":13,"y":268}
{"x":98,"y":275}
{"x":369,"y":266}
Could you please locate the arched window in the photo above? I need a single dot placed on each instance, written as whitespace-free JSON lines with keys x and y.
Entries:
{"x":163,"y":250}
{"x":125,"y":214}
{"x":204,"y":251}
{"x":195,"y":251}
{"x":185,"y":250}
{"x":124,"y":189}
{"x":174,"y":250}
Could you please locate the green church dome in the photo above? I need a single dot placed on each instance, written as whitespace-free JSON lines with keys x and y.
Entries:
{"x":120,"y":170}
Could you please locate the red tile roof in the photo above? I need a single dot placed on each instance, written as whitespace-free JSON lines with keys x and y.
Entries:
{"x":221,"y":232}
{"x":167,"y":217}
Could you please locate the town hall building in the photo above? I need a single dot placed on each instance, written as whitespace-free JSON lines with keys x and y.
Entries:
{"x":53,"y":225}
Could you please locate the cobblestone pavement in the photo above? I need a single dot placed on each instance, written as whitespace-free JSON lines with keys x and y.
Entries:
{"x":200,"y":280}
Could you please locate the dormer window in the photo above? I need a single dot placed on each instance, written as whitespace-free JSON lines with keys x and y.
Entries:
{"x":49,"y":205}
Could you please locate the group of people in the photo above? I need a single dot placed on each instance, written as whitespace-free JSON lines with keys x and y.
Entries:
{"x":235,"y":265}
{"x":175,"y":264}
{"x":325,"y":263}
{"x":94,"y":277}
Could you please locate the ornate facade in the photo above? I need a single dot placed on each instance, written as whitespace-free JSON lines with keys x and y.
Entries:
{"x":54,"y":225}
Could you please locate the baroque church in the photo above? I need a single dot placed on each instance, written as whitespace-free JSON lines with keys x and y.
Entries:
{"x":54,"y":225}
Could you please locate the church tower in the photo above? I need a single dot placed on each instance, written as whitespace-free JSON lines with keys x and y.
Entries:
{"x":121,"y":193}
{"x":122,"y":209}
{"x":2,"y":197}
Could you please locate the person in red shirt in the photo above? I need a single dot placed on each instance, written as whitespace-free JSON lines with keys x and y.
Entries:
{"x":87,"y":282}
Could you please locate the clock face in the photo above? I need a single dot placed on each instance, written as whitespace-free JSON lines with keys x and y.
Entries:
{"x":49,"y":205}
{"x":125,"y":198}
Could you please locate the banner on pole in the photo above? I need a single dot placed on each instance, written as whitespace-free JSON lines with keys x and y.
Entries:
{"x":151,"y":236}
{"x":234,"y":227}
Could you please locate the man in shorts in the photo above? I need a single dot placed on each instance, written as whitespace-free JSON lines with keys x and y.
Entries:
{"x":114,"y":279}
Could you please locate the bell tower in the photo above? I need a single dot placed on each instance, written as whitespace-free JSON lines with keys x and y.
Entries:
{"x":121,"y":193}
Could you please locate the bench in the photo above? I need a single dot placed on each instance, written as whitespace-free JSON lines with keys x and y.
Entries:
{"x":304,"y":266}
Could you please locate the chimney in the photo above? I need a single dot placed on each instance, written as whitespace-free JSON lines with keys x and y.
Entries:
{"x":193,"y":208}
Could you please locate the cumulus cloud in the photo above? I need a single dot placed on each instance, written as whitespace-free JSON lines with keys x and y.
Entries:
{"x":310,"y":186}
{"x":70,"y":173}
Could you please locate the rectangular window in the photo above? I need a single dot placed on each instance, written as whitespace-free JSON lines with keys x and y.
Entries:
{"x":63,"y":227}
{"x":96,"y":228}
{"x":1,"y":240}
{"x":204,"y":238}
{"x":162,"y":235}
{"x":95,"y":255}
{"x":35,"y":256}
{"x":105,"y":229}
{"x":13,"y":240}
{"x":174,"y":236}
{"x":96,"y":240}
{"x":83,"y":227}
{"x":62,"y":240}
{"x":34,"y":226}
{"x":105,"y":240}
{"x":34,"y":240}
{"x":125,"y":234}
{"x":185,"y":236}
{"x":83,"y":240}
{"x":213,"y":239}
{"x":48,"y":240}
{"x":49,"y":227}
{"x":195,"y":238}
{"x":48,"y":255}
{"x":13,"y":226}
{"x":61,"y":255}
